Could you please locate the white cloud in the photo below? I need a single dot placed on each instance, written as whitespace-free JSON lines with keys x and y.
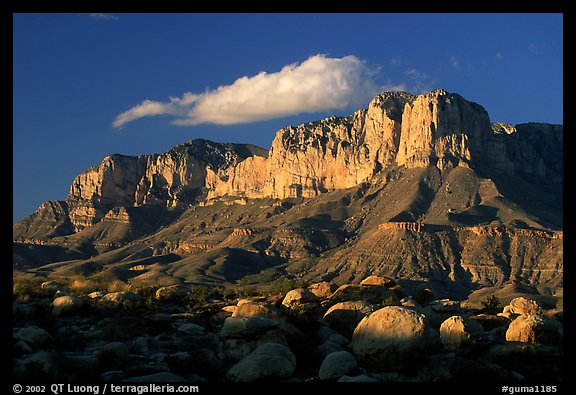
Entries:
{"x":499,"y":55}
{"x":107,"y":17}
{"x":320,"y":83}
{"x":146,"y":109}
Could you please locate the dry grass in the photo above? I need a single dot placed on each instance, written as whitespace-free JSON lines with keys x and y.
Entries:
{"x":83,"y":285}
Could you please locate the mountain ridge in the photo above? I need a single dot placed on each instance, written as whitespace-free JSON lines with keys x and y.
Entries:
{"x":433,"y":160}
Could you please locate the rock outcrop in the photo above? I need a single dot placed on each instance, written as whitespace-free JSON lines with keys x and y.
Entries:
{"x":435,"y":129}
{"x":173,"y":179}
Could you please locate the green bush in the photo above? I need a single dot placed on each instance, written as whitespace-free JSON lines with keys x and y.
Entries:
{"x":23,"y":289}
{"x":283,"y":284}
{"x":492,"y":304}
{"x":390,"y":301}
{"x":197,"y":296}
{"x":226,"y":294}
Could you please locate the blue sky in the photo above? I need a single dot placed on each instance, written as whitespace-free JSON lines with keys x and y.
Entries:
{"x":88,"y":85}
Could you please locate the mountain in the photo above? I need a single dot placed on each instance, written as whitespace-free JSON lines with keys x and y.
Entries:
{"x":413,"y":187}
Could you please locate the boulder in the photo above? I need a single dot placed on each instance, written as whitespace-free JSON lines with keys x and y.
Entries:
{"x":170,"y":293}
{"x":324,"y":331}
{"x":506,"y":313}
{"x":445,"y":306}
{"x":460,"y":335}
{"x":120,"y":327}
{"x":390,"y":338}
{"x":159,"y":323}
{"x":410,"y":302}
{"x":242,"y":335}
{"x":68,"y":304}
{"x":302,"y":304}
{"x":379,"y":280}
{"x":268,"y":361}
{"x":144,"y":345}
{"x":437,"y":367}
{"x":96,"y":295}
{"x":522,"y":305}
{"x":238,"y":327}
{"x":114,"y":354}
{"x":205,"y":362}
{"x":191,"y":328}
{"x":375,"y":294}
{"x":437,"y":311}
{"x":33,"y":336}
{"x":248,"y":308}
{"x":121,"y":299}
{"x":298,"y":297}
{"x":325,"y":349}
{"x":323,"y":290}
{"x":531,"y":328}
{"x":44,"y":362}
{"x":345,"y":316}
{"x":337,"y":364}
{"x":229,"y":309}
{"x":174,"y":340}
{"x":112,"y":375}
{"x":339,"y":339}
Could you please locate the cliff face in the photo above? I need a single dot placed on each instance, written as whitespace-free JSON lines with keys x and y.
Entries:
{"x":434,"y":129}
{"x":172,"y":179}
{"x":414,"y":187}
{"x":397,"y":129}
{"x":439,"y":128}
{"x":334,"y":153}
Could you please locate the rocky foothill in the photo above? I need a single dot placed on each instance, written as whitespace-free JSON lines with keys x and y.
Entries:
{"x":371,"y":331}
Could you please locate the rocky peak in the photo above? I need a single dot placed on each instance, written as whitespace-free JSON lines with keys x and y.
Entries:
{"x":171,"y":179}
{"x":438,"y":129}
{"x":392,"y":103}
{"x":502,"y":128}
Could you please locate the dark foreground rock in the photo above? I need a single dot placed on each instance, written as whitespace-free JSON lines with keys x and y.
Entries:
{"x":322,"y":333}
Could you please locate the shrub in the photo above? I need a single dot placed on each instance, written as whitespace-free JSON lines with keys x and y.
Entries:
{"x":197,"y":296}
{"x":229,"y":294}
{"x":492,"y":304}
{"x":23,"y":289}
{"x":390,"y":301}
{"x":283,"y":284}
{"x":81,"y":284}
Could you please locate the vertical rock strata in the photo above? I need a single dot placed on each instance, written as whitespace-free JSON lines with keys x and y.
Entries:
{"x":398,"y":129}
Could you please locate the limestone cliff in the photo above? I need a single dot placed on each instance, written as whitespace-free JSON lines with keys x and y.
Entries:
{"x":439,"y":127}
{"x":334,"y":153}
{"x":173,"y":179}
{"x":398,"y":129}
